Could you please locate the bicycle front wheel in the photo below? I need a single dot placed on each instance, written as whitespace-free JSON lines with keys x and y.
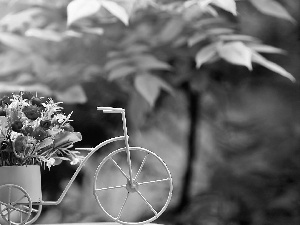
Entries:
{"x":150,"y":187}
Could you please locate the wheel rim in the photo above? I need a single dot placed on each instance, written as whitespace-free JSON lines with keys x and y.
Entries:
{"x":35,"y":213}
{"x":134,"y":188}
{"x":17,"y":209}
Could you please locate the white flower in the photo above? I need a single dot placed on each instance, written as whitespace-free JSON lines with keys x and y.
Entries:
{"x":60,"y":118}
{"x":50,"y":162}
{"x":54,"y":130}
{"x":74,"y":161}
{"x":14,"y":135}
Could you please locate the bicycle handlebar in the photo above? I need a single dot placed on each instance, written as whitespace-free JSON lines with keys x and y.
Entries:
{"x":111,"y":110}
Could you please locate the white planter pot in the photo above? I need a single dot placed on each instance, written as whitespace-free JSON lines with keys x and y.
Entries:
{"x":27,"y":177}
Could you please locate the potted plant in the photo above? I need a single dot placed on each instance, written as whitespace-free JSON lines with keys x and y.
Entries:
{"x":34,"y":133}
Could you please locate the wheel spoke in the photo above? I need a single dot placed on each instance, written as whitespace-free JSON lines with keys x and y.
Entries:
{"x":121,"y":210}
{"x":116,"y":164}
{"x":8,"y":216}
{"x":109,"y":188}
{"x":145,"y":200}
{"x":9,"y":194}
{"x":153,"y":181}
{"x":21,"y":216}
{"x":32,"y":209}
{"x":15,"y":202}
{"x":141,"y":167}
{"x":16,"y":209}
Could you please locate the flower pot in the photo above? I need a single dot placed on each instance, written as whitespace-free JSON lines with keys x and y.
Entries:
{"x":27,"y":177}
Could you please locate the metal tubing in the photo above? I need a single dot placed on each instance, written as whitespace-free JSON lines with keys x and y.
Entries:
{"x":79,"y":168}
{"x":127,"y":147}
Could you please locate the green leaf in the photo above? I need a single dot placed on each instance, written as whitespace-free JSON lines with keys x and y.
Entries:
{"x":61,"y":139}
{"x":237,"y":37}
{"x":236,"y":53}
{"x":257,"y":58}
{"x":47,"y":142}
{"x":40,"y":65}
{"x":171,"y":30}
{"x":47,"y":35}
{"x":79,"y":9}
{"x":96,"y":30}
{"x":196,"y":38}
{"x":272,"y":8}
{"x":13,"y":62}
{"x":149,"y":62}
{"x":219,"y":31}
{"x":72,"y":95}
{"x":201,"y":36}
{"x":136,"y":48}
{"x":205,"y":54}
{"x":265,"y":48}
{"x":227,"y":5}
{"x":111,"y":64}
{"x":16,"y":42}
{"x":116,"y":10}
{"x":137,"y":109}
{"x":18,"y":20}
{"x":149,"y":87}
{"x":121,"y":72}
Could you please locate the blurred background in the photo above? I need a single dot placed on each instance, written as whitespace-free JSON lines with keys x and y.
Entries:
{"x":211,"y":86}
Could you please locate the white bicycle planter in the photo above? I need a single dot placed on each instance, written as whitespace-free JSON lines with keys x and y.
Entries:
{"x":28,"y":211}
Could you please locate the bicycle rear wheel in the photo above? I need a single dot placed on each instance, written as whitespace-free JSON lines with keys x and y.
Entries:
{"x":16,"y":209}
{"x":137,"y":188}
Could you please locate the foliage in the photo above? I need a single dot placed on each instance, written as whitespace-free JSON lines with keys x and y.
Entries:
{"x":35,"y":34}
{"x":144,"y":47}
{"x":35,"y":131}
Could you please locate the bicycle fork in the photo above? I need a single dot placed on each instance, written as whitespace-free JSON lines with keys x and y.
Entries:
{"x":131,"y":182}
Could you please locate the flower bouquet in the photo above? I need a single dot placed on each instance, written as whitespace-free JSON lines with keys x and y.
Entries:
{"x":34,"y":131}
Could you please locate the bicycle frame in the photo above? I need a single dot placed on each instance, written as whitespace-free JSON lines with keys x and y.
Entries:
{"x":93,"y":150}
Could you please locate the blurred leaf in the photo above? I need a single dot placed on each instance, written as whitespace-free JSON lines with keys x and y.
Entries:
{"x":149,"y":86}
{"x":11,"y":62}
{"x":115,"y":63}
{"x":237,"y":37}
{"x":227,"y":5}
{"x":171,"y":30}
{"x":196,"y":38}
{"x":265,"y":48}
{"x":272,"y":8}
{"x":137,"y":48}
{"x":211,"y":11}
{"x":116,"y":10}
{"x":24,"y":78}
{"x":202,"y":35}
{"x":236,"y":53}
{"x":10,"y":87}
{"x":79,"y":9}
{"x":137,"y":109}
{"x":121,"y":72}
{"x":205,"y":54}
{"x":256,"y":57}
{"x":72,"y":95}
{"x":149,"y":62}
{"x":16,"y":42}
{"x":96,"y":30}
{"x":72,"y":33}
{"x":39,"y":65}
{"x":16,"y":21}
{"x":47,"y":35}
